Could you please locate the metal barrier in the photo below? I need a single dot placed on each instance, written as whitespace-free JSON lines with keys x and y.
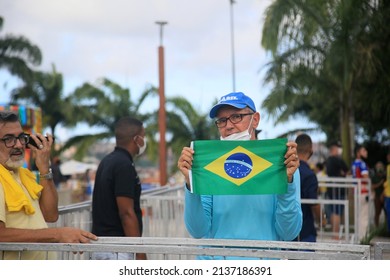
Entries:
{"x":324,"y":234}
{"x":359,"y":224}
{"x":189,"y":248}
{"x":165,"y":235}
{"x":163,"y":212}
{"x":382,"y":250}
{"x":77,"y":215}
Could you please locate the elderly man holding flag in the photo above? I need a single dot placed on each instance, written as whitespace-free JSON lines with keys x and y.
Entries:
{"x":237,"y":189}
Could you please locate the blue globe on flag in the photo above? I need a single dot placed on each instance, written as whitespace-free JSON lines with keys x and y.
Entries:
{"x":238,"y":165}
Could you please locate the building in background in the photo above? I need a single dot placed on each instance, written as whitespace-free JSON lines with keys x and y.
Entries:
{"x":31,"y":121}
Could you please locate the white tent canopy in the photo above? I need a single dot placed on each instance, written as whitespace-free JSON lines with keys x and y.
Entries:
{"x":76,"y":167}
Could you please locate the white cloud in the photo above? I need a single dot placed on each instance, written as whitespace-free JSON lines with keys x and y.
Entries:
{"x":118,"y":39}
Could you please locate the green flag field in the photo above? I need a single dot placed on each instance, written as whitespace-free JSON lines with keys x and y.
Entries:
{"x":239,"y":167}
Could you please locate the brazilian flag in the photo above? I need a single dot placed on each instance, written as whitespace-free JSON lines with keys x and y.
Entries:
{"x":239,"y":167}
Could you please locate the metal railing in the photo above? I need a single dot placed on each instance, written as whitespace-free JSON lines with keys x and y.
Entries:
{"x":355,"y":227}
{"x":165,"y":235}
{"x":324,"y":234}
{"x":189,"y":248}
{"x":163,"y":212}
{"x":381,"y":250}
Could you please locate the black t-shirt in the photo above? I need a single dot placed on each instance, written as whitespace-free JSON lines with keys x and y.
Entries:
{"x":115,"y":176}
{"x":336,"y":167}
{"x":309,"y":190}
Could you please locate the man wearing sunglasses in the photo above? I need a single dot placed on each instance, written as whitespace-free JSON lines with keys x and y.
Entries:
{"x":255,"y":217}
{"x":25,"y":205}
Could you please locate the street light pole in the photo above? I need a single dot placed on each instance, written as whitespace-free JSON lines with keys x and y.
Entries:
{"x":232,"y":38}
{"x":161,"y":112}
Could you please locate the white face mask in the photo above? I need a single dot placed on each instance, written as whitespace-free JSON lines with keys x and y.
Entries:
{"x":141,"y":148}
{"x":244,"y":135}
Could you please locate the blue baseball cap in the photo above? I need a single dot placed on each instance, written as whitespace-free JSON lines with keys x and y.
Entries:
{"x":236,"y":99}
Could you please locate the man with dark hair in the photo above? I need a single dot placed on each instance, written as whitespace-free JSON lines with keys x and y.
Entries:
{"x":360,"y":171}
{"x":25,"y":205}
{"x":359,"y":166}
{"x":116,"y":209}
{"x":309,"y":190}
{"x":336,"y":167}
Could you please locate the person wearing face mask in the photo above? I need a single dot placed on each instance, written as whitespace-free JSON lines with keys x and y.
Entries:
{"x":255,"y":217}
{"x":116,"y":209}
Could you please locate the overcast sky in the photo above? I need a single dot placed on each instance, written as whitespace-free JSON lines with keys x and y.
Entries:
{"x":119,"y":39}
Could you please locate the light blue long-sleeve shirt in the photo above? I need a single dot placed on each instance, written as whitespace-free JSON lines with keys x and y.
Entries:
{"x":249,"y":217}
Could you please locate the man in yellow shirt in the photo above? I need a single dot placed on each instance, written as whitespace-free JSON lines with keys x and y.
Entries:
{"x":26,"y":206}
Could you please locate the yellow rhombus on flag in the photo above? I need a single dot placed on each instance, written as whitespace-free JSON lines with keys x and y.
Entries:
{"x":217,"y":166}
{"x":239,"y":167}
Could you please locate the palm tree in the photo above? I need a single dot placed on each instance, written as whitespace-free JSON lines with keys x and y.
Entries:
{"x":101,"y":106}
{"x":185,"y":124}
{"x":18,"y":55}
{"x":373,"y":117}
{"x":319,"y":57}
{"x":45,"y":90}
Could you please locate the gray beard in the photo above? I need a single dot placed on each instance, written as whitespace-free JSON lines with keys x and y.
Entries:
{"x":13,"y":165}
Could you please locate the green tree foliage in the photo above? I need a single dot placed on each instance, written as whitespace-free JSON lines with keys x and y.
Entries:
{"x":184,"y":124}
{"x":101,"y":106}
{"x":18,"y":55}
{"x":322,"y":55}
{"x":372,"y":108}
{"x":45,"y":90}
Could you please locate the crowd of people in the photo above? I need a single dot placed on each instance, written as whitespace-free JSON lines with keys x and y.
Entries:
{"x":28,"y":203}
{"x":378,"y":176}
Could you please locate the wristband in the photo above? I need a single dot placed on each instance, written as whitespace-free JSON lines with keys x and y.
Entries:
{"x":48,"y":176}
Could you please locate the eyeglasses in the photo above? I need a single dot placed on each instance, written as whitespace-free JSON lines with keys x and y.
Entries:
{"x":235,"y":118}
{"x":10,"y":140}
